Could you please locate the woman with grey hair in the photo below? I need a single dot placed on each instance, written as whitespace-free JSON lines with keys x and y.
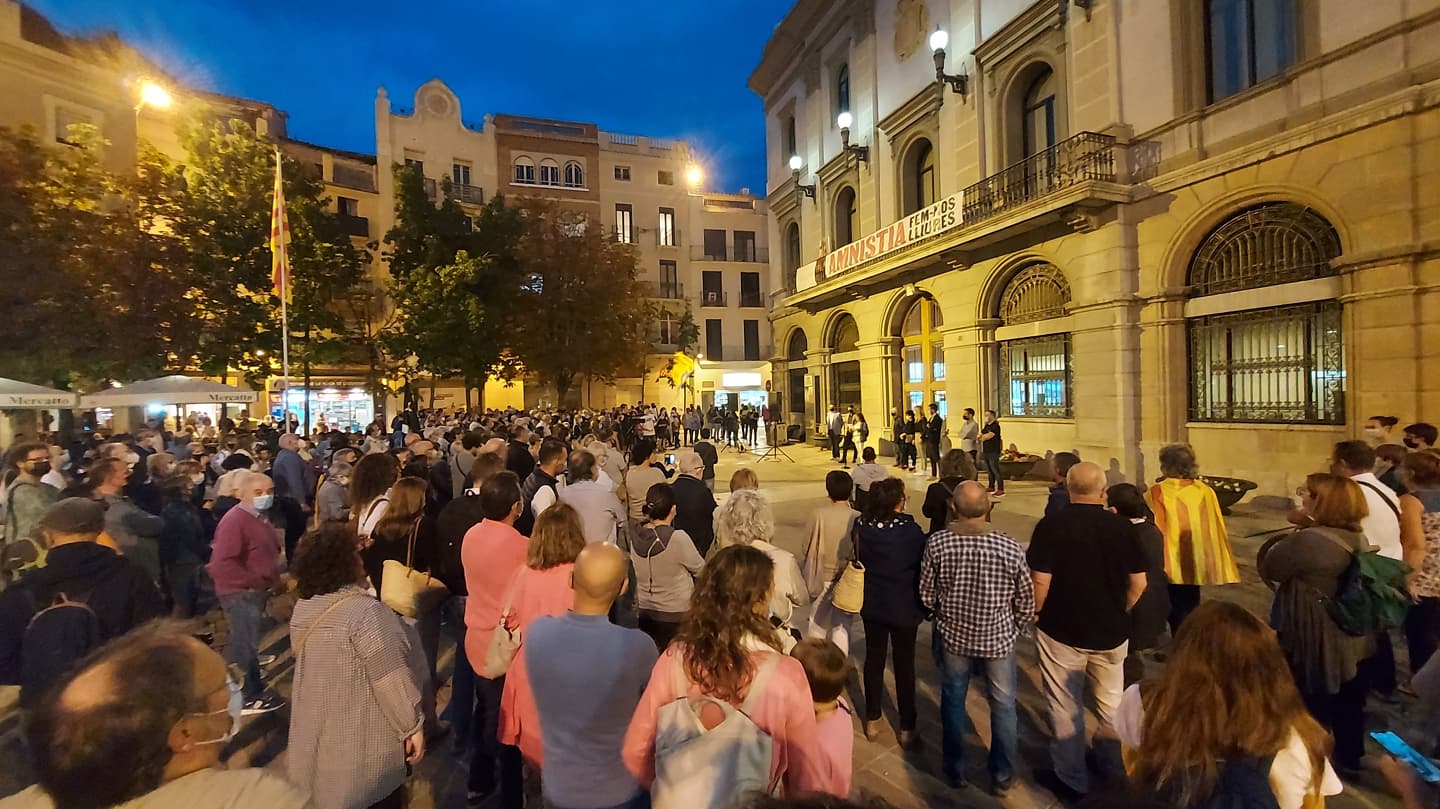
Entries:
{"x":745,"y":518}
{"x":332,"y":501}
{"x":1197,"y":549}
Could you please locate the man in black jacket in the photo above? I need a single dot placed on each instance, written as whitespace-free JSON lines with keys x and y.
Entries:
{"x":694,"y":502}
{"x":538,"y":492}
{"x":518,"y":458}
{"x":119,"y":592}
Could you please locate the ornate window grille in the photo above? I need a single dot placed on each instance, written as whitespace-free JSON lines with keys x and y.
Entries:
{"x":1038,"y":292}
{"x":1275,"y":243}
{"x":1269,"y":365}
{"x":1036,"y":375}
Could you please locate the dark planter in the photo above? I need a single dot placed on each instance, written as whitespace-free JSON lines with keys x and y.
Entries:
{"x":1228,"y":491}
{"x":1016,"y":470}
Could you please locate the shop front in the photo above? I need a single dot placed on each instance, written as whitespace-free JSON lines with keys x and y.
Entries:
{"x":340,"y":403}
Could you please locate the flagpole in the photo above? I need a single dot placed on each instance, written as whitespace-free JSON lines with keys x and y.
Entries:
{"x":280,"y":276}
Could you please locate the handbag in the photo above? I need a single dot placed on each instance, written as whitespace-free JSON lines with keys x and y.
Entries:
{"x":410,"y":592}
{"x":847,"y":594}
{"x":504,"y":643}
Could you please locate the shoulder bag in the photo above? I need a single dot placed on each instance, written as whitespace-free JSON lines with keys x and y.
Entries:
{"x":847,"y":594}
{"x":408,"y":591}
{"x":504,"y":643}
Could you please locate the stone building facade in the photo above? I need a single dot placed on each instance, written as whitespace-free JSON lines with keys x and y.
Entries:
{"x":1117,"y":224}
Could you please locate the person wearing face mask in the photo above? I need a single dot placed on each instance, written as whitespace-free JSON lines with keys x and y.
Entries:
{"x":1380,"y":429}
{"x":1389,"y":458}
{"x":332,"y":502}
{"x":135,"y":531}
{"x":117,"y":592}
{"x":351,"y":656}
{"x":183,"y":549}
{"x":245,"y":566}
{"x":26,"y":498}
{"x":1420,"y":436}
{"x":180,"y":707}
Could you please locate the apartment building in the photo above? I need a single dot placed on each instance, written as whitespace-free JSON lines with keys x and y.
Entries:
{"x":1119,"y":225}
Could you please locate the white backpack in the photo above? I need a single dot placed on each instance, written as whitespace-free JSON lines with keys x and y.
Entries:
{"x":696,"y":768}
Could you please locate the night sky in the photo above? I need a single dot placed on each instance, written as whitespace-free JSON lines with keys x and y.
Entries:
{"x":667,"y":69}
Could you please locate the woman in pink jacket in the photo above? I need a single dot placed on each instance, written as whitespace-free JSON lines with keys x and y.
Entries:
{"x":722,"y":644}
{"x":542,"y":587}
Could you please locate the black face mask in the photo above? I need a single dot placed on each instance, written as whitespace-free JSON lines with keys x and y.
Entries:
{"x":40,"y":468}
{"x":1412,"y":443}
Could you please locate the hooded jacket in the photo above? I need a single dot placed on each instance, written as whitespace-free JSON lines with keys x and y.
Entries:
{"x":666,"y":564}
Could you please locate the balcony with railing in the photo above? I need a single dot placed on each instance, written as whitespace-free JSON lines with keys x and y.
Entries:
{"x":712,"y":297}
{"x":750,"y":300}
{"x":1085,"y":157}
{"x":472,"y":194}
{"x":744,"y":252}
{"x":668,"y":290}
{"x":355,"y":225}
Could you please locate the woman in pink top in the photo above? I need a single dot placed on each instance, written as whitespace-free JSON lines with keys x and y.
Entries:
{"x":721,"y":645}
{"x":542,"y":587}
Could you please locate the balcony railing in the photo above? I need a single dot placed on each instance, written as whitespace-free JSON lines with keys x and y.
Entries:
{"x":672,"y":291}
{"x":355,"y":225}
{"x":1088,"y":156}
{"x":751,"y":299}
{"x":661,"y":241}
{"x":711,"y":297}
{"x":467,"y":193}
{"x":743,"y":252}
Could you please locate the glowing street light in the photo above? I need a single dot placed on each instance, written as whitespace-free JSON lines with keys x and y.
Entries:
{"x":694,"y":175}
{"x":154,"y":96}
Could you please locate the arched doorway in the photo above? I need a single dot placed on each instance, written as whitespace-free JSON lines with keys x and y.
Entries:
{"x":845,"y":363}
{"x":795,"y":372}
{"x":922,"y":356}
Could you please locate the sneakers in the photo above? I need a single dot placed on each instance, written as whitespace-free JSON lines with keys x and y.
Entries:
{"x":265,"y":703}
{"x":1000,"y":493}
{"x":266,"y":661}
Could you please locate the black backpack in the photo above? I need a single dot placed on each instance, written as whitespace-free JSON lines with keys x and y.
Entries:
{"x":59,"y":634}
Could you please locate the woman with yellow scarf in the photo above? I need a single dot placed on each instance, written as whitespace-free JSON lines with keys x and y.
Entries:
{"x":1197,"y":549}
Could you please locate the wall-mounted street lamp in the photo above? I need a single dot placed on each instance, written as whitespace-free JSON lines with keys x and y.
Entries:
{"x":843,"y":121}
{"x":960,"y":83}
{"x":795,"y":164}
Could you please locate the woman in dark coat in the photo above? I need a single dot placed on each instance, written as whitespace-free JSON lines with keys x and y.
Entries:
{"x":1148,"y":616}
{"x":890,"y":546}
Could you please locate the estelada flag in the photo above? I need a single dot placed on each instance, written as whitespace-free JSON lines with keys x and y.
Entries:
{"x":279,"y":239}
{"x":681,"y":366}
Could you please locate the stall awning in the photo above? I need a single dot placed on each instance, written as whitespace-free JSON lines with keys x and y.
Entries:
{"x":169,"y":390}
{"x":17,"y":395}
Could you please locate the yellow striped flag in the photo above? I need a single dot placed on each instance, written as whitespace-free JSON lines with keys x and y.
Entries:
{"x":279,"y":239}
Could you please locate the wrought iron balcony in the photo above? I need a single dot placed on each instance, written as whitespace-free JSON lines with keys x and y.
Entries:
{"x":467,"y":193}
{"x":751,"y":299}
{"x":355,"y":225}
{"x":1088,"y":156}
{"x":670,"y":291}
{"x":744,"y":252}
{"x":712,"y":297}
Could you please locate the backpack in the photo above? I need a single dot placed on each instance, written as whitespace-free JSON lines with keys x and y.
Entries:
{"x":1372,"y":595}
{"x":57,"y":636}
{"x":696,"y":768}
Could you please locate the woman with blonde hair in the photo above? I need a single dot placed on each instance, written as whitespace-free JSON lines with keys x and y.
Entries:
{"x":1224,"y":703}
{"x":744,"y":478}
{"x":541,"y":587}
{"x":745,"y":518}
{"x":1306,"y":569}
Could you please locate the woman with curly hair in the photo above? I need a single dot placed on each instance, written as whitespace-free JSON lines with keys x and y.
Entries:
{"x":1225,"y":711}
{"x":745,"y":518}
{"x":356,"y":722}
{"x":726,"y":651}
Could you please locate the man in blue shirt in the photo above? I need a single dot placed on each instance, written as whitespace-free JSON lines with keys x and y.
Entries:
{"x":587,"y":675}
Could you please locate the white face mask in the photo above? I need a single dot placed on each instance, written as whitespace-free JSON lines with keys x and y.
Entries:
{"x":131,"y":458}
{"x":262,"y":502}
{"x":197,"y":478}
{"x":234,"y":706}
{"x":1373,"y":432}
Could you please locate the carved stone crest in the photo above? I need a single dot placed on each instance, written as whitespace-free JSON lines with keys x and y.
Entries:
{"x":912,"y":24}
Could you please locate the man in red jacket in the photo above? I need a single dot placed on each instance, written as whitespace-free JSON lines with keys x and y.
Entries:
{"x":245,"y":565}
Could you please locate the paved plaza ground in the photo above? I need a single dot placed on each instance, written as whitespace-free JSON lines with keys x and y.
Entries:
{"x":881,"y":770}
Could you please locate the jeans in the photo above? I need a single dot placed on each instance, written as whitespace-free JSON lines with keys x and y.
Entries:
{"x":660,"y":631}
{"x":834,"y":445}
{"x":462,"y":684}
{"x":490,"y":753}
{"x":243,"y":612}
{"x":992,"y":468}
{"x":848,"y":450}
{"x":830,"y":623}
{"x":999,"y":673}
{"x":1065,"y":671}
{"x":878,"y":638}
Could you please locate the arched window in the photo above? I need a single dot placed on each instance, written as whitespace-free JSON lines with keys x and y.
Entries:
{"x":919,"y":187}
{"x":1276,"y":364}
{"x":791,"y":144}
{"x":795,"y":373}
{"x":792,"y":254}
{"x":1038,"y":113}
{"x":1035,"y":371}
{"x":842,"y":89}
{"x":549,"y":172}
{"x":845,"y":335}
{"x":574,"y":175}
{"x":922,"y":363}
{"x":844,"y":217}
{"x":524,"y":170}
{"x":845,"y":380}
{"x":799,"y":344}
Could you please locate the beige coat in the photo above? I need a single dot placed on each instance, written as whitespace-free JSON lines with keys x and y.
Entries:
{"x":829,"y":545}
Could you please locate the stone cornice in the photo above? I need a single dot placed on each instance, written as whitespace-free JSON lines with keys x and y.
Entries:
{"x":915,"y":110}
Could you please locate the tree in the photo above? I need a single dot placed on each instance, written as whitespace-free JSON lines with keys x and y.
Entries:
{"x":454,"y":283}
{"x":91,"y":282}
{"x":583,"y":309}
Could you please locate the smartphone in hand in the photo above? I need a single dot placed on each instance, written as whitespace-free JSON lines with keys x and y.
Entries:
{"x":1396,"y":746}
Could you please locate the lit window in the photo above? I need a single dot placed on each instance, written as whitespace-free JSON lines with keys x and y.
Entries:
{"x":665,"y":233}
{"x":624,"y":224}
{"x":1037,"y":375}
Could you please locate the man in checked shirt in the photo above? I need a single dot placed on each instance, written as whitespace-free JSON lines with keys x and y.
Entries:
{"x":975,"y":581}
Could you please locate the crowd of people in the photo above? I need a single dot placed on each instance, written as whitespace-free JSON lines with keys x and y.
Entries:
{"x":623,"y":639}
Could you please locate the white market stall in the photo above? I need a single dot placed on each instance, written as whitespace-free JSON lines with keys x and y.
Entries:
{"x":16,"y":395}
{"x":156,"y":395}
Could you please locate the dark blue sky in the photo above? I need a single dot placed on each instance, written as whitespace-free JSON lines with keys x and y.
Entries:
{"x":669,"y":69}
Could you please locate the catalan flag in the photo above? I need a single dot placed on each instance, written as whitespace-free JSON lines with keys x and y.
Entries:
{"x":279,"y":239}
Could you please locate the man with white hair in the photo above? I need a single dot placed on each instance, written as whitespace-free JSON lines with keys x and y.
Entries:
{"x":1088,"y":571}
{"x":245,"y":565}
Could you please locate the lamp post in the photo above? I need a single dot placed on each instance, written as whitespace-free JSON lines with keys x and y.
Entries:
{"x":960,"y":83}
{"x":843,"y":120}
{"x":795,"y":164}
